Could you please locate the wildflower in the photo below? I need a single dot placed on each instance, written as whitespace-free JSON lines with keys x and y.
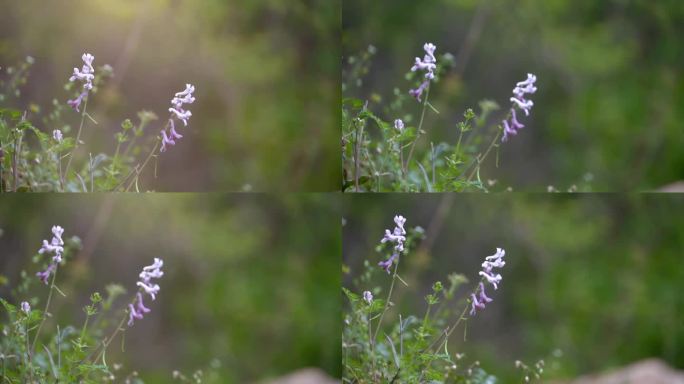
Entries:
{"x":479,"y":298}
{"x":56,"y":246}
{"x":368,"y":297}
{"x":25,"y":307}
{"x":398,"y":236}
{"x":427,"y":64}
{"x":521,"y":89}
{"x":137,"y":309}
{"x":86,"y":75}
{"x":177,"y":112}
{"x":399,"y":125}
{"x":57,"y":135}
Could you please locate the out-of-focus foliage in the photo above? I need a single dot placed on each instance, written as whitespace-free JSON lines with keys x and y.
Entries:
{"x":591,"y":282}
{"x":266,"y":73}
{"x":250,"y":287}
{"x":608,"y":112}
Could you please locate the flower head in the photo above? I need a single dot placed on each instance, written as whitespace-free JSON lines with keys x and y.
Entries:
{"x":137,"y":309}
{"x":521,"y":89}
{"x":87,"y":72}
{"x":86,"y":75}
{"x":479,"y":298}
{"x":56,"y":247}
{"x":177,"y":112}
{"x":368,"y":297}
{"x":25,"y":307}
{"x":398,"y":237}
{"x":427,"y":64}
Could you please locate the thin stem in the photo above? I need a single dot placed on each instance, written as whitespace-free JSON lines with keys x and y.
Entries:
{"x":479,"y":160}
{"x":15,"y":160}
{"x":45,"y":311}
{"x":28,"y":352}
{"x":85,"y":326}
{"x":389,"y":296}
{"x":139,"y":170}
{"x":372,"y":344}
{"x":420,"y":129}
{"x":78,"y":138}
{"x":357,"y":155}
{"x":107,"y":341}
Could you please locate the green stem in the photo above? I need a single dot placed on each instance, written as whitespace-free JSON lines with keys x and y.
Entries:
{"x":480,"y":160}
{"x":420,"y":129}
{"x":138,"y":171}
{"x":78,"y":139}
{"x":389,"y":296}
{"x":85,"y":326}
{"x":45,"y":311}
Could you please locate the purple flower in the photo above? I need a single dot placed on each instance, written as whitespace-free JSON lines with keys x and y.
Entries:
{"x":427,"y":64}
{"x":85,"y":75}
{"x":399,"y":125}
{"x":398,"y":235}
{"x":491,"y":262}
{"x":387,"y":264}
{"x":56,"y":246}
{"x":521,"y":89}
{"x":368,"y":297}
{"x":87,"y":72}
{"x":133,"y":314}
{"x":75,"y":103}
{"x":137,"y":309}
{"x":177,"y":112}
{"x":418,"y":92}
{"x":57,"y":135}
{"x":25,"y":307}
{"x":483,"y":295}
{"x":475,"y":304}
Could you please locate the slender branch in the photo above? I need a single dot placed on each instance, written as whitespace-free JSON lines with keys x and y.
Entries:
{"x":139,"y":170}
{"x":47,"y":306}
{"x":389,"y":296}
{"x":480,"y":160}
{"x":420,"y":129}
{"x":78,"y":138}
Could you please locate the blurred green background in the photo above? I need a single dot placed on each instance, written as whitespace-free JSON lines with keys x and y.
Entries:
{"x":266,"y":73}
{"x":609,"y":110}
{"x":251,"y":282}
{"x":591,"y":281}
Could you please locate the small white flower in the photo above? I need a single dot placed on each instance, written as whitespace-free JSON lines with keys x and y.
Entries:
{"x":399,"y":125}
{"x":25,"y":307}
{"x":368,"y":297}
{"x":57,"y":135}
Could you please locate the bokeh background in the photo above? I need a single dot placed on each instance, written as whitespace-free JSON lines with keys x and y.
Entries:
{"x":591,"y":282}
{"x":608,"y":113}
{"x":266,"y":74}
{"x":251,"y":284}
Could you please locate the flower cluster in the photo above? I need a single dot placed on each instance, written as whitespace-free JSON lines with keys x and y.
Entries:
{"x":398,"y":236}
{"x":177,"y":111}
{"x":137,"y":309}
{"x":493,"y":261}
{"x":428,"y":64}
{"x":521,"y":89}
{"x":55,"y":246}
{"x":86,"y":75}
